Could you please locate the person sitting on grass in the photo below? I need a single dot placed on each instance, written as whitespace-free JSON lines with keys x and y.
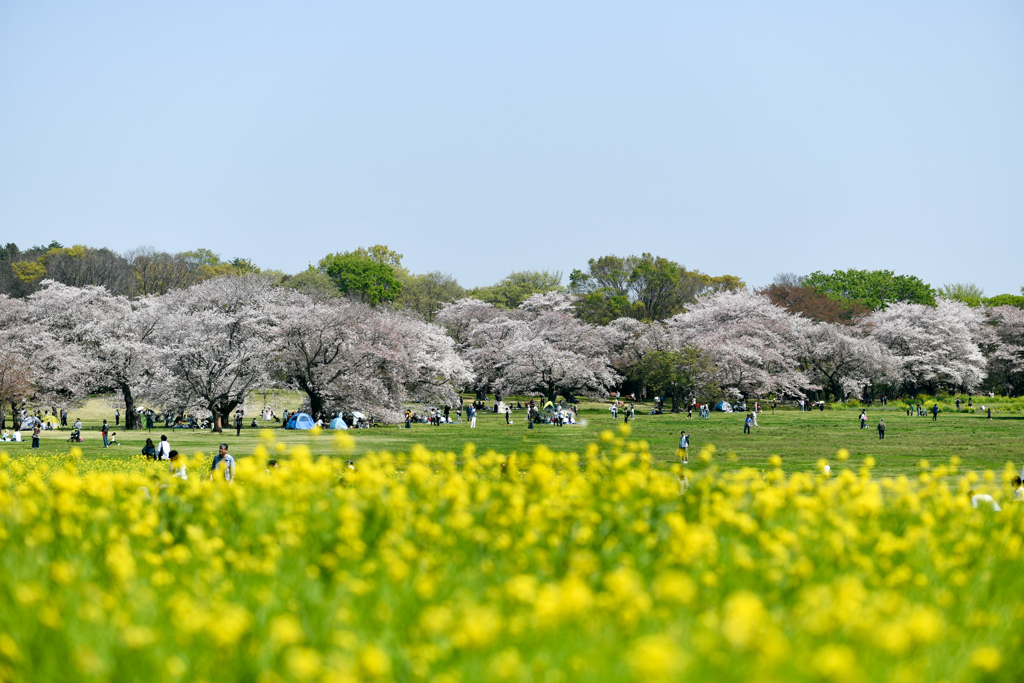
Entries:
{"x":177,"y":468}
{"x":1018,"y":489}
{"x":149,"y":450}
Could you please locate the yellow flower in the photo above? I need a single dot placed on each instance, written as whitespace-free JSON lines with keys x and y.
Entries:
{"x":285,"y":629}
{"x":986,"y":658}
{"x":656,"y":657}
{"x":374,"y":662}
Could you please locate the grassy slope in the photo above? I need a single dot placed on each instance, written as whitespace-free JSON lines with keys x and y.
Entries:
{"x":800,"y":438}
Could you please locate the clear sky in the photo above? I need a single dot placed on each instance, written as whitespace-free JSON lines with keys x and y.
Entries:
{"x":480,"y":138}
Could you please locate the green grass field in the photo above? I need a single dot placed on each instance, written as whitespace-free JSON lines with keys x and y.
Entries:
{"x":800,"y":438}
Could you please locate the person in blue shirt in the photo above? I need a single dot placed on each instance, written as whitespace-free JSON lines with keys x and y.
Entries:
{"x":684,"y":445}
{"x":746,"y":424}
{"x":223,"y":460}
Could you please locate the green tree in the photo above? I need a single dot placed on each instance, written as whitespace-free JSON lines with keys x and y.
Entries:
{"x":426,"y":293}
{"x":380,"y":253}
{"x":686,"y":373}
{"x":1005,"y":300}
{"x":362,"y":278}
{"x":644,"y":287}
{"x":876,"y":289}
{"x":314,"y":284}
{"x":517,"y":287}
{"x":966,"y":292}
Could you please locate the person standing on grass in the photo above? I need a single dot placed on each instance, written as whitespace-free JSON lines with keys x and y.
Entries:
{"x":684,"y":446}
{"x":935,"y":411}
{"x":863,"y":419}
{"x":958,"y":404}
{"x":881,"y":428}
{"x":224,"y":460}
{"x":238,"y":423}
{"x":471,"y":412}
{"x":36,"y":432}
{"x":746,"y":425}
{"x":773,"y":406}
{"x":106,"y":430}
{"x":117,"y":417}
{"x":163,"y":450}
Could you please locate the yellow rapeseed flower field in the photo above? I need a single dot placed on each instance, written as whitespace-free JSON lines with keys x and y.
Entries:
{"x":542,"y":566}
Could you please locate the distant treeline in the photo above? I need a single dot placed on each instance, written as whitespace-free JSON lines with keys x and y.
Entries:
{"x":645,"y":287}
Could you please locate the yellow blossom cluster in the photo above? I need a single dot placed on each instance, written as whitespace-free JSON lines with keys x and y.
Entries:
{"x":540,"y":566}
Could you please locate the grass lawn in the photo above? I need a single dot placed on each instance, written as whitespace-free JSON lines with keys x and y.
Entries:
{"x":800,"y":438}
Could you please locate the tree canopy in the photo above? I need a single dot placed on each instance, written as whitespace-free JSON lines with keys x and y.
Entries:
{"x":644,"y":287}
{"x":362,"y":277}
{"x":517,"y":287}
{"x":875,"y":289}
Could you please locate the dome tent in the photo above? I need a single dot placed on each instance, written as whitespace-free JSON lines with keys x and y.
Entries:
{"x":338,"y":423}
{"x":300,"y":421}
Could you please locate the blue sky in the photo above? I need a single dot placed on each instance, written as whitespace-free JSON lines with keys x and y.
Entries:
{"x":478,"y":139}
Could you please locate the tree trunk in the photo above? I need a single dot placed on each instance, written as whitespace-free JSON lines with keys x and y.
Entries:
{"x":316,"y":401}
{"x":222,"y":413}
{"x":131,"y":418}
{"x":676,"y":408}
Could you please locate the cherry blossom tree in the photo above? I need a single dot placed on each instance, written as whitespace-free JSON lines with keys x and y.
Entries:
{"x":67,"y":341}
{"x":113,"y":339}
{"x":934,"y":347}
{"x":216,"y":339}
{"x":1006,"y":359}
{"x":628,"y":341}
{"x":17,"y":370}
{"x":347,"y":354}
{"x":540,"y":346}
{"x":841,"y":360}
{"x":482,"y":333}
{"x":752,"y":342}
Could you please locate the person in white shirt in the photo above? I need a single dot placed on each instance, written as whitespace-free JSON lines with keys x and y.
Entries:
{"x":177,"y":467}
{"x":163,"y":449}
{"x":984,"y":498}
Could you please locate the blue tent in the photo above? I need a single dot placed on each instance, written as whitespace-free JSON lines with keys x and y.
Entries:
{"x":338,"y":423}
{"x":723,"y":406}
{"x":300,"y":421}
